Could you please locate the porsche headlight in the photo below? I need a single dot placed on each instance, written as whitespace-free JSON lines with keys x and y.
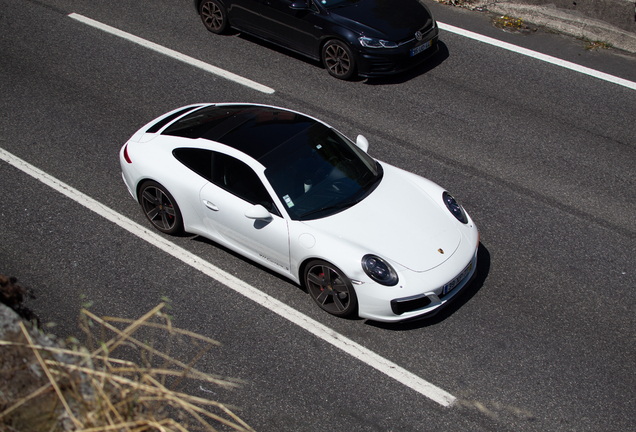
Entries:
{"x":379,"y":270}
{"x":454,"y":208}
{"x":368,"y":42}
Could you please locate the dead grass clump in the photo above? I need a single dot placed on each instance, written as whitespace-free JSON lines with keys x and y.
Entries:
{"x":594,"y":45}
{"x":87,"y":388}
{"x":467,"y":4}
{"x":454,"y":2}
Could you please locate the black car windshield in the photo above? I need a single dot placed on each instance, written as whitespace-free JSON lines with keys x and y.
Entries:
{"x":322,"y":174}
{"x":328,"y":4}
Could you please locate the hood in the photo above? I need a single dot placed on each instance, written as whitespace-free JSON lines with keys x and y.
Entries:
{"x":394,"y":20}
{"x":398,"y":222}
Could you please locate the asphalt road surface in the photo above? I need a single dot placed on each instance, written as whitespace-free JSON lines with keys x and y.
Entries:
{"x":542,"y":157}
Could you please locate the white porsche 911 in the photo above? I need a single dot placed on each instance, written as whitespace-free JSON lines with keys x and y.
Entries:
{"x":296,"y":196}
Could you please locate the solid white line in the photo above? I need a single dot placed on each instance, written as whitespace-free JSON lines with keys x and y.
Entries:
{"x":174,"y":54}
{"x":537,"y":55}
{"x":323,"y":332}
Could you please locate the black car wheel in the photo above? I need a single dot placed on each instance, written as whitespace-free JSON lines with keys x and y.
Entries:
{"x":213,"y":15}
{"x":330,"y":288}
{"x":160,"y":208}
{"x":338,"y":59}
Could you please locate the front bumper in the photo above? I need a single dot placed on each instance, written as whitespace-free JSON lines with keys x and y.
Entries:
{"x":387,"y":305}
{"x":428,"y":304}
{"x":382,"y":61}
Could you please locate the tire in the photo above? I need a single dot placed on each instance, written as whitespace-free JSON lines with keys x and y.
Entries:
{"x":214,"y":16}
{"x":160,"y":208}
{"x":330,"y":288}
{"x":338,"y":59}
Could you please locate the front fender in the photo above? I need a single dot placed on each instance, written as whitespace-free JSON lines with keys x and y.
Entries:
{"x":344,"y":35}
{"x":307,"y":243}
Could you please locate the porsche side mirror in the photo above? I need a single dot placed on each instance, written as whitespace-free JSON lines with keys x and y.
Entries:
{"x":258,"y":212}
{"x":362,"y":142}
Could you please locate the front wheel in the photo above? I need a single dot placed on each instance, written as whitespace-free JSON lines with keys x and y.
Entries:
{"x":160,"y":208}
{"x":330,"y":288}
{"x":338,"y":59}
{"x":213,"y":15}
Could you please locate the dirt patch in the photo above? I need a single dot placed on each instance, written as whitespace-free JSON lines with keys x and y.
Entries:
{"x":13,"y":295}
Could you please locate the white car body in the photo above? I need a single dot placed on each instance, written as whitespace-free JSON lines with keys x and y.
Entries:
{"x":403,"y":220}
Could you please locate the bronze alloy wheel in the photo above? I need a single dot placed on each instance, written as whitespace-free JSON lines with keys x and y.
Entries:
{"x":338,"y":59}
{"x":160,"y":208}
{"x":213,"y":16}
{"x":330,"y":288}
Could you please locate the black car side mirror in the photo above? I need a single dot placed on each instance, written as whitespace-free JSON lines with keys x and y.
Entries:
{"x":299,"y":5}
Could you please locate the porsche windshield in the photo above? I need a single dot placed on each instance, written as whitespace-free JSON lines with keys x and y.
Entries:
{"x":321,"y":173}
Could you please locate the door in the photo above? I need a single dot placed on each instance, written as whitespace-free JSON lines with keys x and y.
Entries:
{"x":296,"y":29}
{"x":234,"y":191}
{"x":248,"y":15}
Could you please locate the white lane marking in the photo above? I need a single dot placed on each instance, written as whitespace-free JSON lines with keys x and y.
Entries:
{"x":174,"y":54}
{"x":537,"y":55}
{"x":317,"y":329}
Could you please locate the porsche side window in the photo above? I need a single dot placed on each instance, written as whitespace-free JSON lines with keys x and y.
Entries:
{"x":239,"y":179}
{"x":198,"y":160}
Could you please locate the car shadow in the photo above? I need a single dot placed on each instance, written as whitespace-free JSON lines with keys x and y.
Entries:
{"x":434,"y":61}
{"x":283,"y":279}
{"x":483,"y":268}
{"x":201,"y":239}
{"x":272,"y":46}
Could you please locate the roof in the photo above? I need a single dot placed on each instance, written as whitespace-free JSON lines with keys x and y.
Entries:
{"x":252,"y":129}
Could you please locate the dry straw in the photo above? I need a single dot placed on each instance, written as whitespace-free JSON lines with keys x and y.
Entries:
{"x":95,"y":391}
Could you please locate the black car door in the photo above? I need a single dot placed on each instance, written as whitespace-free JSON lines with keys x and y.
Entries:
{"x":298,"y":29}
{"x":247,"y":15}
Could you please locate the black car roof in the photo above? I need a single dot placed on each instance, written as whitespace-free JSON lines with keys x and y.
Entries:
{"x":254,"y":130}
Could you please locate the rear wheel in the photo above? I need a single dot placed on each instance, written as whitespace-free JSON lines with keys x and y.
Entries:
{"x":330,"y":288}
{"x":160,"y":208}
{"x":338,"y":59}
{"x":213,"y":15}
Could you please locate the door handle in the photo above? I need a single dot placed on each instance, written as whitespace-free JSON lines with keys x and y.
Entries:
{"x":210,"y":205}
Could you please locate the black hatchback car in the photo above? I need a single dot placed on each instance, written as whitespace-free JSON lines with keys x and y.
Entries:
{"x":364,"y":37}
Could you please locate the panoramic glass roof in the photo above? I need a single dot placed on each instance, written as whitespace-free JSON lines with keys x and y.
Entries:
{"x":254,"y":130}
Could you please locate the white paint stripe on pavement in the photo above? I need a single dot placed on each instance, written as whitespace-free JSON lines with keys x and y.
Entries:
{"x":174,"y":54}
{"x":323,"y":332}
{"x":539,"y":56}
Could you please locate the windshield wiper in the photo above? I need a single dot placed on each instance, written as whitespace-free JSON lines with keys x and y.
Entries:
{"x":337,"y":206}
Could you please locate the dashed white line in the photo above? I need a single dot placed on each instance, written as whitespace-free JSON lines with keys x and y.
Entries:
{"x":174,"y":54}
{"x":319,"y":330}
{"x":539,"y":56}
